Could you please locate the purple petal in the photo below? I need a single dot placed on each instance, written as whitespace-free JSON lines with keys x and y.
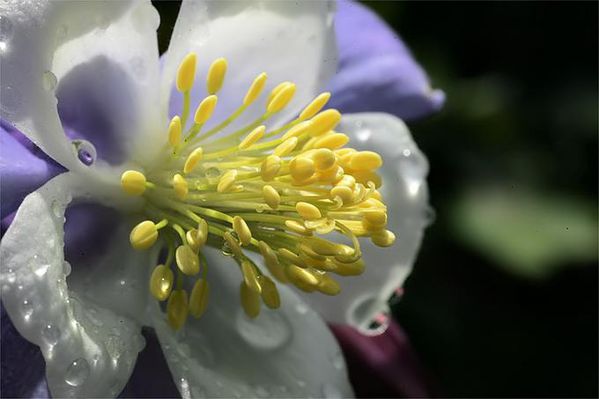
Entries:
{"x":23,"y":168}
{"x":377,"y":72}
{"x":383,"y":365}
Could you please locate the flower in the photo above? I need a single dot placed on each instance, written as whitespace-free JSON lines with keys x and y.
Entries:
{"x":88,"y":329}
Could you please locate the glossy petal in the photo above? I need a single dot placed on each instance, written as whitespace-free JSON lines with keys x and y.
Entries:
{"x":377,"y":72}
{"x":289,"y":40}
{"x":89,"y":339}
{"x":288,"y":352}
{"x":405,"y":193}
{"x":49,"y":45}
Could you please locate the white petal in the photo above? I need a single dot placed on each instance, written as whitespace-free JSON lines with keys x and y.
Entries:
{"x":89,"y":349}
{"x":405,"y":193}
{"x":43,"y":41}
{"x":289,"y":352}
{"x":289,"y":40}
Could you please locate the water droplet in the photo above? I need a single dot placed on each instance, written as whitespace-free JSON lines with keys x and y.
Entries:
{"x":86,"y":152}
{"x":122,"y":283}
{"x":406,"y":153}
{"x":41,"y":270}
{"x":268,"y":332}
{"x":57,"y":208}
{"x":77,"y":372}
{"x":301,"y":308}
{"x":184,"y":388}
{"x":20,"y":287}
{"x":330,"y":391}
{"x":6,"y":31}
{"x":66,"y":268}
{"x":338,"y":361}
{"x":226,"y":249}
{"x":27,"y":308}
{"x":49,"y":81}
{"x":212,"y":173}
{"x":11,"y":277}
{"x":10,"y":102}
{"x":51,"y":334}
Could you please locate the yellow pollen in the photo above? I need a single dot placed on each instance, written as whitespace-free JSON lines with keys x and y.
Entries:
{"x":271,"y":196}
{"x":205,"y":109}
{"x":331,"y":141}
{"x":174,"y":131}
{"x":193,"y":159}
{"x":315,"y":106}
{"x":277,"y":89}
{"x":243,"y":231}
{"x":187,"y":260}
{"x":161,"y":282}
{"x":325,"y":122}
{"x":365,"y":160}
{"x":186,"y":73}
{"x":384,"y":238}
{"x":250,"y":301}
{"x":144,"y":235}
{"x":308,"y":211}
{"x":252,"y":137}
{"x":270,"y":167}
{"x":226,"y":181}
{"x":176,"y":309}
{"x":286,"y":147}
{"x":133,"y":182}
{"x":216,"y":75}
{"x":323,"y":158}
{"x":199,"y":298}
{"x":255,"y":89}
{"x":281,"y":99}
{"x":180,"y":185}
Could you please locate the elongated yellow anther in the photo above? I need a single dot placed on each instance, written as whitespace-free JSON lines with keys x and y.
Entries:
{"x":176,"y":309}
{"x":276,"y":90}
{"x":216,"y":75}
{"x":199,"y":298}
{"x":271,"y":196}
{"x":144,"y":235}
{"x":181,"y":186}
{"x":348,"y":269}
{"x":297,"y":130}
{"x":270,"y":167}
{"x":272,"y":262}
{"x":325,"y":122}
{"x":281,"y":99}
{"x":202,"y":233}
{"x":255,"y":89}
{"x":233,"y":244}
{"x":250,"y":277}
{"x":331,"y":141}
{"x":298,"y":227}
{"x":193,"y":159}
{"x":250,"y":301}
{"x":133,"y":182}
{"x":377,"y":217}
{"x":323,"y":158}
{"x":243,"y":231}
{"x":365,"y":160}
{"x":301,"y":168}
{"x":345,"y":193}
{"x":384,"y":238}
{"x":226,"y":180}
{"x":315,"y":106}
{"x":186,"y":73}
{"x":187,"y":260}
{"x":205,"y":109}
{"x":252,"y":137}
{"x":328,"y":286}
{"x":284,"y":253}
{"x":286,"y":147}
{"x":301,"y":276}
{"x":270,"y":293}
{"x":174,"y":131}
{"x":308,"y":211}
{"x":161,"y":282}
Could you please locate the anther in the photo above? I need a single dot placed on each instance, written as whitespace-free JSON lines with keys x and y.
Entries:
{"x":331,"y":141}
{"x":271,"y":196}
{"x":323,"y":158}
{"x":252,"y":137}
{"x":233,"y":244}
{"x":250,"y":301}
{"x":199,"y":298}
{"x":281,"y":99}
{"x":186,"y":73}
{"x":270,"y":293}
{"x":250,"y":278}
{"x":176,"y":309}
{"x":324,"y":122}
{"x":328,"y":286}
{"x":133,"y":182}
{"x":205,"y":109}
{"x":384,"y":238}
{"x":286,"y":147}
{"x":301,"y":168}
{"x":298,"y":227}
{"x":270,"y":167}
{"x":174,"y":131}
{"x":298,"y":275}
{"x":216,"y":75}
{"x":144,"y":235}
{"x":193,"y":159}
{"x":365,"y":160}
{"x":307,"y":211}
{"x":315,"y":106}
{"x":161,"y":282}
{"x":243,"y":231}
{"x":187,"y":260}
{"x":297,"y":130}
{"x":226,"y":180}
{"x":181,"y":187}
{"x":255,"y":89}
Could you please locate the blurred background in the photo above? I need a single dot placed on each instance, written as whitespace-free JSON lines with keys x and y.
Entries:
{"x":502,"y":301}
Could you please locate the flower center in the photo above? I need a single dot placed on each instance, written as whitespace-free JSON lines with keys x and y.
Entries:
{"x":282,"y":193}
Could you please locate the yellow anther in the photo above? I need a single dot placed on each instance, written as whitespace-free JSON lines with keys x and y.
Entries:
{"x":252,"y":137}
{"x":270,"y":293}
{"x":133,"y":182}
{"x":270,"y":167}
{"x":348,"y":181}
{"x":323,"y":247}
{"x":365,"y":160}
{"x":199,"y":298}
{"x":325,"y":121}
{"x":250,"y":277}
{"x":301,"y":168}
{"x":187,"y":260}
{"x":193,"y":159}
{"x":328,"y":286}
{"x":226,"y":180}
{"x":161,"y":282}
{"x":281,"y":99}
{"x":372,"y":203}
{"x":376,"y":195}
{"x":377,"y":217}
{"x":192,"y":239}
{"x":297,"y":130}
{"x":287,"y":254}
{"x":216,"y":75}
{"x":243,"y":231}
{"x":255,"y":89}
{"x":383,"y":238}
{"x":277,"y":89}
{"x":174,"y":131}
{"x":250,"y":301}
{"x":331,"y":175}
{"x":298,"y":227}
{"x":271,"y":196}
{"x":286,"y":147}
{"x":186,"y":73}
{"x":300,"y":276}
{"x":306,"y":250}
{"x":205,"y":109}
{"x":144,"y":235}
{"x":345,"y":193}
{"x":365,"y":176}
{"x":332,"y":141}
{"x":202,"y":233}
{"x":315,"y":106}
{"x":307,"y":211}
{"x":348,"y":269}
{"x":176,"y":309}
{"x":180,"y":185}
{"x":323,"y":158}
{"x":272,"y":262}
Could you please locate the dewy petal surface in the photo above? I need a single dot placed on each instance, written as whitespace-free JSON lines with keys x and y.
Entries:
{"x":405,"y":193}
{"x":289,"y":40}
{"x":44,"y":42}
{"x":287,"y":352}
{"x":377,"y":72}
{"x":89,"y":349}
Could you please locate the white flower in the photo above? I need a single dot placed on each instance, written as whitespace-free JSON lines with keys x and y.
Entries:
{"x":88,"y":325}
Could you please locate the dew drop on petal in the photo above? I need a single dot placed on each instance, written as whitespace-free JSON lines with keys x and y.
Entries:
{"x":49,"y":81}
{"x":66,"y":268}
{"x":212,"y":173}
{"x":77,"y":372}
{"x":41,"y":270}
{"x":269,"y":331}
{"x":50,"y":333}
{"x":85,"y":151}
{"x":6,"y":32}
{"x":26,"y":308}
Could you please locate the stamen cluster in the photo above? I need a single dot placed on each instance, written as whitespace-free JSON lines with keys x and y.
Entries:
{"x":280,"y":193}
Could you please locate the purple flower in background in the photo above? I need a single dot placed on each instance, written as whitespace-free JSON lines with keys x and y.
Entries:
{"x":82,"y":81}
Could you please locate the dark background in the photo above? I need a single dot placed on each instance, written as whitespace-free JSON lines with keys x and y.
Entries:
{"x":502,"y":301}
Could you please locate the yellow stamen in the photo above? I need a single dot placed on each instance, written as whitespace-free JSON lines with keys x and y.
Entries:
{"x":301,"y":277}
{"x":193,"y":159}
{"x":325,"y":122}
{"x":328,"y":286}
{"x":255,"y":89}
{"x":383,"y":238}
{"x":331,"y":141}
{"x":216,"y":75}
{"x":161,"y":282}
{"x":199,"y":298}
{"x":286,"y":147}
{"x":226,"y":181}
{"x":187,"y":260}
{"x":365,"y":160}
{"x":277,"y":89}
{"x":323,"y":158}
{"x":205,"y":109}
{"x":270,"y":167}
{"x":250,"y":301}
{"x":176,"y":309}
{"x":252,"y":137}
{"x":281,"y":99}
{"x":186,"y":73}
{"x":297,"y":130}
{"x":250,"y":277}
{"x":270,"y":293}
{"x":144,"y":235}
{"x":301,"y":168}
{"x":315,"y":106}
{"x":271,"y":196}
{"x":181,"y":186}
{"x":133,"y":182}
{"x":308,"y":211}
{"x":174,"y":131}
{"x":243,"y":231}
